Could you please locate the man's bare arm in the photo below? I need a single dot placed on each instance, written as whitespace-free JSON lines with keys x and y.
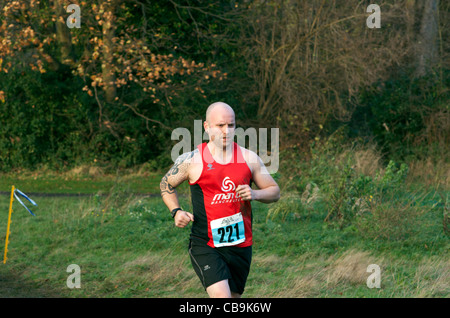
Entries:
{"x":173,"y":178}
{"x":268,"y":191}
{"x":177,"y":174}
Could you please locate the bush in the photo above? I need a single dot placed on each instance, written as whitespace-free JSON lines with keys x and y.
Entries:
{"x":332,"y":185}
{"x":408,"y":118}
{"x":389,"y":217}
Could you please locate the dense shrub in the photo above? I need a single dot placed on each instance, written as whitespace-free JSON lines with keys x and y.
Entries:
{"x":408,"y":118}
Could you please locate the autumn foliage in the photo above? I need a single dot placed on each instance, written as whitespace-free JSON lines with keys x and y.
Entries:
{"x":112,"y":90}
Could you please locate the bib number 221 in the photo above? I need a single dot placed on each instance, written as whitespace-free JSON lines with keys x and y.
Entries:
{"x":228,"y":231}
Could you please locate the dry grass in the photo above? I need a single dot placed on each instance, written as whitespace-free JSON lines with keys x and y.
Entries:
{"x":350,"y":268}
{"x":430,"y":172}
{"x":283,"y":277}
{"x":168,"y":275}
{"x":85,"y":170}
{"x":309,"y":276}
{"x":433,"y":278}
{"x":368,"y":161}
{"x":365,"y":159}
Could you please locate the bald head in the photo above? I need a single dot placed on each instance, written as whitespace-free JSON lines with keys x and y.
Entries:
{"x":220,"y":124}
{"x":218,"y":107}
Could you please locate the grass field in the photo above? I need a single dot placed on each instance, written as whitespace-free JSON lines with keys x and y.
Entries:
{"x":127,"y":246}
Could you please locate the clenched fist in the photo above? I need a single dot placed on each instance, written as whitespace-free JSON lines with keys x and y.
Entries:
{"x":182,"y":218}
{"x":245,"y":192}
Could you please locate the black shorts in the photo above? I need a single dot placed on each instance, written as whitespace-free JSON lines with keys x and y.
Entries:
{"x":213,"y":265}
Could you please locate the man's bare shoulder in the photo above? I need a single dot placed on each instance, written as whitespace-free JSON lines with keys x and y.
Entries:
{"x":187,"y":157}
{"x":196,"y":157}
{"x":178,"y":173}
{"x":182,"y":163}
{"x":250,"y":157}
{"x":192,"y":160}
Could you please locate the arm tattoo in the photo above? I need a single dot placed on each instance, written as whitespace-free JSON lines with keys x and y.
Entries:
{"x":176,"y":174}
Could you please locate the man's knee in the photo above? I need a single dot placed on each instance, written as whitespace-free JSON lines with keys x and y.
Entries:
{"x":219,"y":290}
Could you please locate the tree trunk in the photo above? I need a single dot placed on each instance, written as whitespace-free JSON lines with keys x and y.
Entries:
{"x":108,"y":50}
{"x":63,"y":34}
{"x":427,"y":49}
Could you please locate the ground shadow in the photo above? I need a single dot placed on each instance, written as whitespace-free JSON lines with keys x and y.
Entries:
{"x":14,"y":285}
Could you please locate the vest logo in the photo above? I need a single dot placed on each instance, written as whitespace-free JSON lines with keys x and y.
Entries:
{"x":227,"y":186}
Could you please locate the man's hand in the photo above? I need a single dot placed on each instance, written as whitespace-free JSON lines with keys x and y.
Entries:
{"x":245,"y":192}
{"x":182,"y":218}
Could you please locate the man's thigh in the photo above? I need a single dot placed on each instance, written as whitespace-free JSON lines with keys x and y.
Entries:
{"x":208,"y":264}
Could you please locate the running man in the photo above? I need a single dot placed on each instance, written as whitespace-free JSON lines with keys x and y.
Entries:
{"x":220,"y":174}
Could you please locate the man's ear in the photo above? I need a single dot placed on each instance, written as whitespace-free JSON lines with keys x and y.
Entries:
{"x":206,"y":126}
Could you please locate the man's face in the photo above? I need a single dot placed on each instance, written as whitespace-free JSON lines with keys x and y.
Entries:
{"x":221,"y":127}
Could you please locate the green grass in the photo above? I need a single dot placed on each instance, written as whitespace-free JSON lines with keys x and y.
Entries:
{"x":127,"y":246}
{"x":78,"y":184}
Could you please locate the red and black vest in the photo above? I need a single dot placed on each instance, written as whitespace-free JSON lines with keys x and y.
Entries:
{"x":221,"y":217}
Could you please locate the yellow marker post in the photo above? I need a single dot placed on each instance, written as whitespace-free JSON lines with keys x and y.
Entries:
{"x":9,"y":223}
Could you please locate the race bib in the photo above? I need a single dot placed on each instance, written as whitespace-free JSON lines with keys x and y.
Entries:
{"x":228,"y":231}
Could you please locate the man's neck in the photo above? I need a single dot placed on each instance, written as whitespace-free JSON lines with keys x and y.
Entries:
{"x":221,"y":154}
